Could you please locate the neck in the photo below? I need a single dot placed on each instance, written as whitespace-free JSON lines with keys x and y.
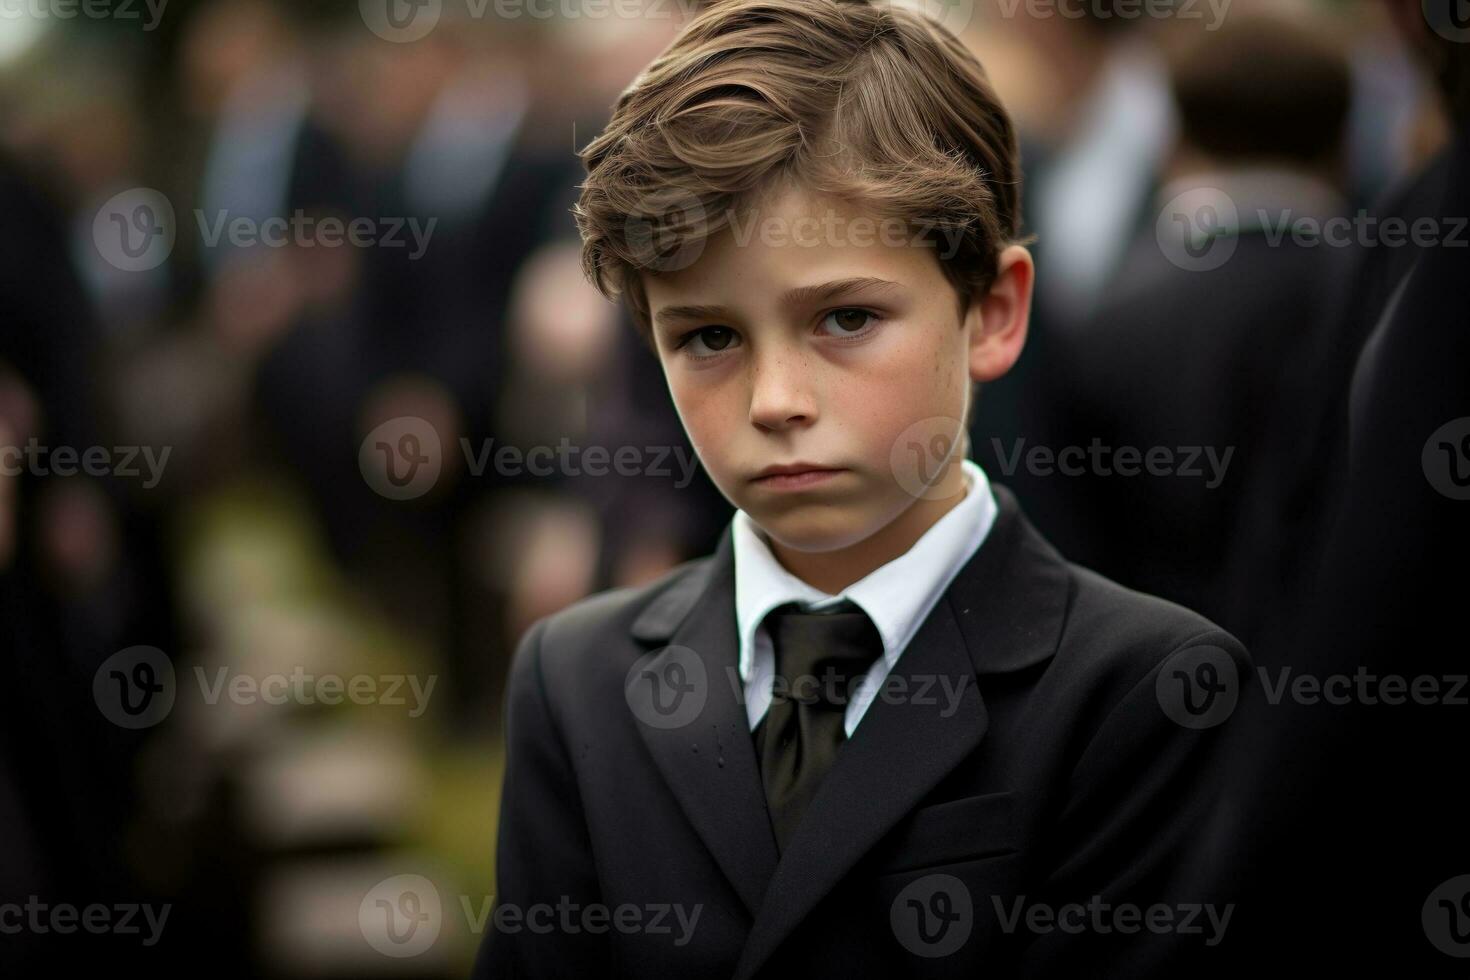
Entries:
{"x":833,"y":571}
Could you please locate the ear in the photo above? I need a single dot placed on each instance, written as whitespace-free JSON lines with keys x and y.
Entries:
{"x":998,"y":320}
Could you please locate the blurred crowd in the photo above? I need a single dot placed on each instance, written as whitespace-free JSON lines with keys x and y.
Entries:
{"x":240,"y":383}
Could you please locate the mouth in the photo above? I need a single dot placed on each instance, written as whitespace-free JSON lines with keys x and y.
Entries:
{"x":795,"y":476}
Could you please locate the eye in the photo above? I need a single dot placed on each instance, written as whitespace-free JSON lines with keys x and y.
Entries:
{"x":709,"y":341}
{"x":849,"y":322}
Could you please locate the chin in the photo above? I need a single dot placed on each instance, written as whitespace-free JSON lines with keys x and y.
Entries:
{"x":817,"y":532}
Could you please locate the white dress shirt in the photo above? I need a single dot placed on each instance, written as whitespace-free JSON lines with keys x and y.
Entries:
{"x":897,"y":596}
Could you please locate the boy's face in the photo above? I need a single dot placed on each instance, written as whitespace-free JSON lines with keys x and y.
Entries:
{"x":856,"y":381}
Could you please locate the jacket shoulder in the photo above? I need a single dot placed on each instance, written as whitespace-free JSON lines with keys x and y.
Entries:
{"x":1128,"y":633}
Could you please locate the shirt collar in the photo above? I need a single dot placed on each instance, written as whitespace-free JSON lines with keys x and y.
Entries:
{"x":896,"y":596}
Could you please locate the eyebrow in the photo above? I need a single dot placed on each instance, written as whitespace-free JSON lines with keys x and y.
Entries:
{"x":792,"y":297}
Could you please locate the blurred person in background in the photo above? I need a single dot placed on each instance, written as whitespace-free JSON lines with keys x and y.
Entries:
{"x":1096,"y":123}
{"x":1217,"y":307}
{"x":267,"y":368}
{"x":1360,"y":803}
{"x":74,"y":586}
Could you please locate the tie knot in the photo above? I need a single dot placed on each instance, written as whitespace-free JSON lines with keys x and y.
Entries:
{"x":820,"y":654}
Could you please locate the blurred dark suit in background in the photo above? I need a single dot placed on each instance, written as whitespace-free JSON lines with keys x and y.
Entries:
{"x":65,"y":772}
{"x":1362,"y":802}
{"x":1197,"y":358}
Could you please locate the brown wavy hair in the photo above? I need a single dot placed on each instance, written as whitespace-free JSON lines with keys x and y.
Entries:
{"x":876,"y":105}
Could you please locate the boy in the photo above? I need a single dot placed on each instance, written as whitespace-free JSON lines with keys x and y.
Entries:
{"x":885,"y":730}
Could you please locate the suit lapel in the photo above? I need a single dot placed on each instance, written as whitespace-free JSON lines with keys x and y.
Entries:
{"x":1003,"y":612}
{"x":710,"y":763}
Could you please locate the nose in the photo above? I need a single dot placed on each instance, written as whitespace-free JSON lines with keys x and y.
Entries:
{"x":782,"y":394}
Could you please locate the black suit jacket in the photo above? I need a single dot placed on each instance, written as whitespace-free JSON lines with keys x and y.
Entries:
{"x":1056,"y":775}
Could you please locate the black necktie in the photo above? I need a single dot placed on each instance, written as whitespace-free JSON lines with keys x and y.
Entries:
{"x":819,"y":658}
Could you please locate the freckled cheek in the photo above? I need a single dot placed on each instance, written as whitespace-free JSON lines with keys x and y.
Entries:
{"x":880,"y":400}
